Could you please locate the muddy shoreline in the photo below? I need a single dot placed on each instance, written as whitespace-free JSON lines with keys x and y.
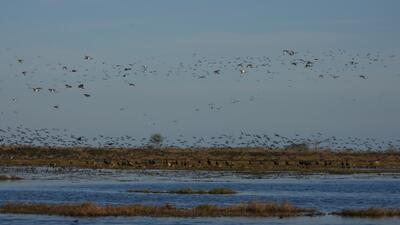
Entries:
{"x":210,"y":159}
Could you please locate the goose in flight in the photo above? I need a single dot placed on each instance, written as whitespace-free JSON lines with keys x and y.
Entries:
{"x":86,"y":57}
{"x":289,"y":52}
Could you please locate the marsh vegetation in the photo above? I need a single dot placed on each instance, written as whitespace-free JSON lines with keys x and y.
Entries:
{"x":9,"y":177}
{"x":212,"y":159}
{"x":251,"y":209}
{"x":369,"y":212}
{"x":215,"y":191}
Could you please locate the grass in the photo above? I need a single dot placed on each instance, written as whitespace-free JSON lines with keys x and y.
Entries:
{"x":7,"y":177}
{"x":222,"y":191}
{"x":211,"y":159}
{"x":369,"y":213}
{"x":251,"y":209}
{"x":215,"y":191}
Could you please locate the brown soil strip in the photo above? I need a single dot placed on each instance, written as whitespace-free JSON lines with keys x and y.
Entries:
{"x":93,"y":210}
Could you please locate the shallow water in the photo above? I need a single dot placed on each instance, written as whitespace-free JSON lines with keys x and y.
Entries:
{"x":332,"y":220}
{"x":326,"y":193}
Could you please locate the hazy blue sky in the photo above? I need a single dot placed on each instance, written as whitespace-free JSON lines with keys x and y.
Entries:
{"x":166,"y":34}
{"x":212,"y":27}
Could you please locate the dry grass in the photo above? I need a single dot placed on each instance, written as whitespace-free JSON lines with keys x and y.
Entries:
{"x":215,"y":191}
{"x":221,"y":191}
{"x":370,"y":212}
{"x":8,"y":177}
{"x":252,"y":209}
{"x":228,"y":159}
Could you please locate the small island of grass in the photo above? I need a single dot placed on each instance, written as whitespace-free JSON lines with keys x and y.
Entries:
{"x":251,"y":209}
{"x":8,"y":177}
{"x":370,"y":212}
{"x":215,"y":191}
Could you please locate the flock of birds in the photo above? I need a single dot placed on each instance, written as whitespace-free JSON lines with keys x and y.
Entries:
{"x":62,"y":138}
{"x":81,"y":77}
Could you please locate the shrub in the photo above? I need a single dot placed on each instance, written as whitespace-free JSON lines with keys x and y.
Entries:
{"x":156,"y":141}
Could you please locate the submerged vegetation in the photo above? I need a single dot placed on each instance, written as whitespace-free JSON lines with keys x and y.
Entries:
{"x":215,"y":191}
{"x":370,"y":212}
{"x":251,"y":209}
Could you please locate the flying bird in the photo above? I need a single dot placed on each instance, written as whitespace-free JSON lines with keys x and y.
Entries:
{"x":86,"y":57}
{"x":289,"y":52}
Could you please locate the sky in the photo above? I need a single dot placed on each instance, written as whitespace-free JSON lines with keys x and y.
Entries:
{"x":170,"y":37}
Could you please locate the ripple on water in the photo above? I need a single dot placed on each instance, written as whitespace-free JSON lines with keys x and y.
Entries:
{"x":324,"y":192}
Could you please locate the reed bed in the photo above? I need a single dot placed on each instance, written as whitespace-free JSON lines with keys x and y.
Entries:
{"x":251,"y":209}
{"x":370,"y":212}
{"x":215,"y":191}
{"x":8,"y":177}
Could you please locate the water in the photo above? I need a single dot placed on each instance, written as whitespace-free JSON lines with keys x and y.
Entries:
{"x":332,"y":220}
{"x":326,"y":193}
